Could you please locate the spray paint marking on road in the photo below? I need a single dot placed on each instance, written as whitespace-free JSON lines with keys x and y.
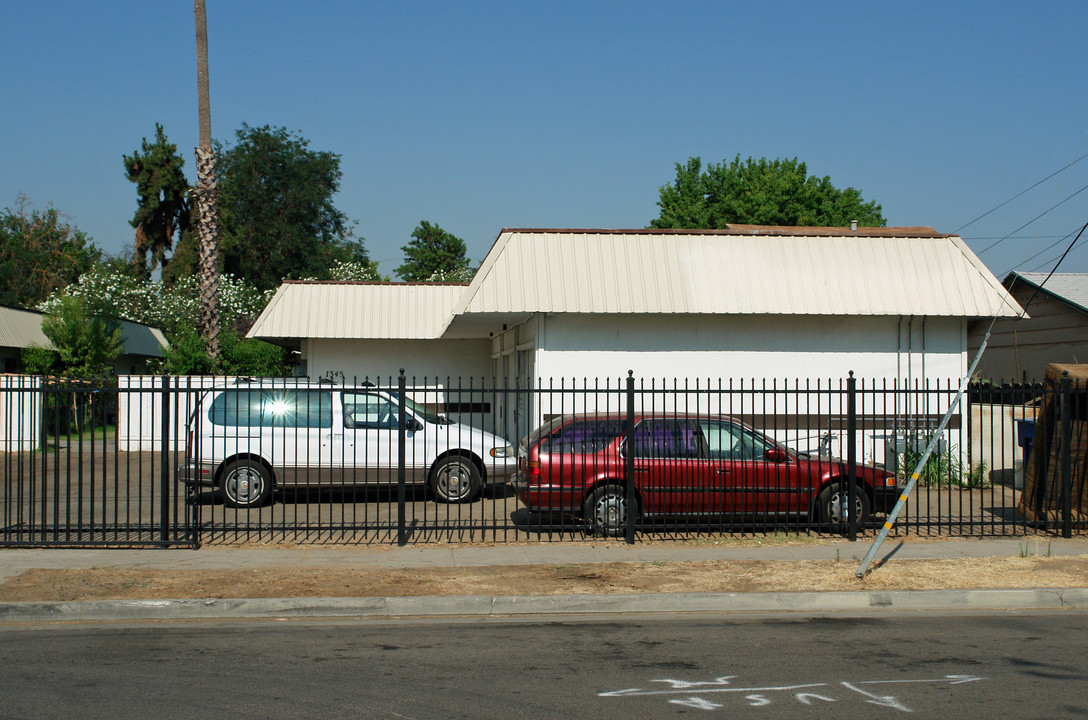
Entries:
{"x":693,"y":694}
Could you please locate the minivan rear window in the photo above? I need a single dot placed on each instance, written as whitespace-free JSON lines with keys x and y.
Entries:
{"x":272,"y":408}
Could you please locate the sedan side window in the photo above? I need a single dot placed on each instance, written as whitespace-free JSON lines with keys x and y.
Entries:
{"x":583,"y":437}
{"x":729,"y":441}
{"x":719,"y":441}
{"x":669,"y":438}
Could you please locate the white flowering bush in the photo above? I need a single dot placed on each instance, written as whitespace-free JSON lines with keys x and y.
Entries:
{"x":106,"y":291}
{"x":352,"y":272}
{"x":112,"y":292}
{"x":463,"y":274}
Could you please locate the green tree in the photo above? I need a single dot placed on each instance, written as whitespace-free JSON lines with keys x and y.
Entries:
{"x":187,"y":355}
{"x":276,"y":209}
{"x":39,"y":253}
{"x":110,"y":290}
{"x":163,"y":206}
{"x":759,"y":192}
{"x":434,"y":255}
{"x":86,"y":344}
{"x":38,"y":360}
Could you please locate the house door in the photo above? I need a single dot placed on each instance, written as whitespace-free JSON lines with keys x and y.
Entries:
{"x":524,"y":419}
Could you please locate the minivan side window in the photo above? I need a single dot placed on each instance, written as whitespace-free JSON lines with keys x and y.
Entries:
{"x":370,"y":411}
{"x":236,"y":408}
{"x":272,"y":408}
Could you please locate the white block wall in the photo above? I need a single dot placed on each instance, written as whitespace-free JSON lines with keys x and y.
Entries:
{"x":20,"y":413}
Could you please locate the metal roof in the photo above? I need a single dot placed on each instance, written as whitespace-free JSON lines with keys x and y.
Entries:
{"x":306,"y":309}
{"x":142,"y":339}
{"x":1072,"y":288}
{"x":741,"y":270}
{"x":21,"y":328}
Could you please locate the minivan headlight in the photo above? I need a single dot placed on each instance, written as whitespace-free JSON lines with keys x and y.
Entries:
{"x":502,"y":452}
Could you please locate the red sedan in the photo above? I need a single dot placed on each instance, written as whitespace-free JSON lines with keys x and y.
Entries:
{"x":685,"y":465}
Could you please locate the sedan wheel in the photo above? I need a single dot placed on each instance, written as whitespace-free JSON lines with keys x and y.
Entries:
{"x":834,"y":506}
{"x":606,"y":511}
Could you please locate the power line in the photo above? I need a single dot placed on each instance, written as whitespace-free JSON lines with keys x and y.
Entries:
{"x":1029,"y":222}
{"x":1032,"y":257}
{"x":1001,"y":205}
{"x":996,"y":237}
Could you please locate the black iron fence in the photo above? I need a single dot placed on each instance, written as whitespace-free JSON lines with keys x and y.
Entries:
{"x":184,"y":461}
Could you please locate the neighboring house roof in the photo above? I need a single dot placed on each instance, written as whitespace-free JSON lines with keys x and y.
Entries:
{"x":21,"y":328}
{"x":142,"y":339}
{"x":744,"y":269}
{"x":308,"y":309}
{"x":1070,"y":288}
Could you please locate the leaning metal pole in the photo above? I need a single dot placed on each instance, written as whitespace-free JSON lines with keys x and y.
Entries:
{"x":921,"y":463}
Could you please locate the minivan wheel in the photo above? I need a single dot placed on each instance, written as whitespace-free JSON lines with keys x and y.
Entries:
{"x":833,"y":505}
{"x":455,"y":479}
{"x":245,"y":484}
{"x":605,"y":511}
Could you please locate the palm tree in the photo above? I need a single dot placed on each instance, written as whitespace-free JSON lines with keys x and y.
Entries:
{"x":206,"y":195}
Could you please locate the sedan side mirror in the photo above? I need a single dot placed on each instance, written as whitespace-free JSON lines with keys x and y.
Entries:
{"x":776,"y":455}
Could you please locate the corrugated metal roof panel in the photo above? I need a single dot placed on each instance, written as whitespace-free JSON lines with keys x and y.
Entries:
{"x":1070,"y":287}
{"x":357,"y":310}
{"x":142,"y":339}
{"x":883,"y":272}
{"x":21,"y":328}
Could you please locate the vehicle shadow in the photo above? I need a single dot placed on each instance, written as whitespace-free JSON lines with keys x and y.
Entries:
{"x":355,"y":494}
{"x":546,"y":521}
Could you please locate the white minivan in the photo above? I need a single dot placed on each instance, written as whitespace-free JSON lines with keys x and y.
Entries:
{"x":251,"y":437}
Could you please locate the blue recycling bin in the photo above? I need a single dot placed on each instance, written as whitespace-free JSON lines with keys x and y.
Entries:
{"x":1025,"y":436}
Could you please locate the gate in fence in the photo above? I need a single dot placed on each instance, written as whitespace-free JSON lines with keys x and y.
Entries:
{"x":172,"y":461}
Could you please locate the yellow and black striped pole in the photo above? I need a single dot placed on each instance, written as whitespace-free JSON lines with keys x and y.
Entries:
{"x":921,"y":463}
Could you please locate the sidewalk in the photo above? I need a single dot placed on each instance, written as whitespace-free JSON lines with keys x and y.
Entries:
{"x":520,"y":579}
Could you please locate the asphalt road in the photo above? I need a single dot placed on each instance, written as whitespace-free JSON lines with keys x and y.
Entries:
{"x":1012,"y":665}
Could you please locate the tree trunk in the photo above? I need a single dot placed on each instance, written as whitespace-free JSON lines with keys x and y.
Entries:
{"x":206,"y":197}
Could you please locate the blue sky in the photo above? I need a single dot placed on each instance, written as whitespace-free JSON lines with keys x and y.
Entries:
{"x":484,"y":115}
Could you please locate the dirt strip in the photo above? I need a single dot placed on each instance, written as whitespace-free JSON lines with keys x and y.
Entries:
{"x":719,"y":576}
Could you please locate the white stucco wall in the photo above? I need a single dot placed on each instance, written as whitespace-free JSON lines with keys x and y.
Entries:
{"x":20,"y":413}
{"x":759,"y":347}
{"x":442,"y":374}
{"x":430,"y":360}
{"x":732,"y":359}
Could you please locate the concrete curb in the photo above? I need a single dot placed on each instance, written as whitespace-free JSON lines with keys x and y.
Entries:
{"x":552,"y":605}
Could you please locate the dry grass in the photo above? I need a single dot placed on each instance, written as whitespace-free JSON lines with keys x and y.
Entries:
{"x":595,"y":578}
